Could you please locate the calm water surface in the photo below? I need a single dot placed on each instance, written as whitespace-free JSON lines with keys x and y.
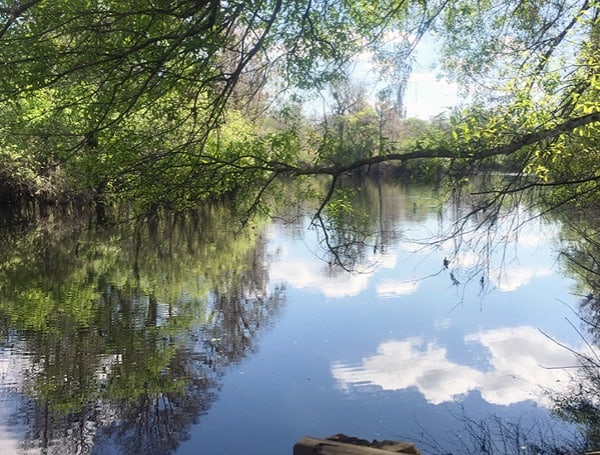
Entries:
{"x":186,"y":339}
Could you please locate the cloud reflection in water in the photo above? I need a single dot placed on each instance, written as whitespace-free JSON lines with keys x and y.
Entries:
{"x":522,"y":365}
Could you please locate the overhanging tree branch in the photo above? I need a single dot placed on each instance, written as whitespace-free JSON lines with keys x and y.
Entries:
{"x":468,"y":152}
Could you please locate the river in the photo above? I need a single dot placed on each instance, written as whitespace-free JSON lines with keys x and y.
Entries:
{"x":184,"y":335}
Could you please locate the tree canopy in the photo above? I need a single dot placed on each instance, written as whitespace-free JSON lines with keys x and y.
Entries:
{"x":182,"y":101}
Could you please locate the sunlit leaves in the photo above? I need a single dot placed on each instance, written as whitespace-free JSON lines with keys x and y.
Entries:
{"x":178,"y":102}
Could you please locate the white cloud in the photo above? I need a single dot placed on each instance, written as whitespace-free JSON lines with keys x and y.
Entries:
{"x":390,"y":288}
{"x":387,"y":260}
{"x":309,"y":275}
{"x":10,"y":442}
{"x":519,"y":359}
{"x":467,"y":259}
{"x":427,"y":96}
{"x":417,"y":247}
{"x":510,"y":279}
{"x":522,"y":360}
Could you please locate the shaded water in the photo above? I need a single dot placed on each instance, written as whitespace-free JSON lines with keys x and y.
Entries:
{"x":187,"y":336}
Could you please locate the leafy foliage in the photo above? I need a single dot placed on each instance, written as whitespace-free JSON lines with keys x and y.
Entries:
{"x":178,"y":102}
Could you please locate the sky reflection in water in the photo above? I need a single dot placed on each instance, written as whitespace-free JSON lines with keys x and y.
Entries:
{"x":404,"y":348}
{"x":407,"y":348}
{"x":521,"y":363}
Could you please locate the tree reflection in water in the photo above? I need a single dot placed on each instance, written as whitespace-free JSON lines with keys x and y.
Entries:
{"x":581,"y":258}
{"x":482,"y":224}
{"x":119,"y":338}
{"x":116,"y":340}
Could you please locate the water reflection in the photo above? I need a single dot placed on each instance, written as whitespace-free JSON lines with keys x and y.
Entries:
{"x":581,"y":259}
{"x":115,"y":341}
{"x":138,"y":338}
{"x":521,"y":365}
{"x":462,"y":316}
{"x":497,"y":251}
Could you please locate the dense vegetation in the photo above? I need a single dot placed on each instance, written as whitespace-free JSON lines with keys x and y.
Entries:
{"x":154,"y":103}
{"x":175,"y":102}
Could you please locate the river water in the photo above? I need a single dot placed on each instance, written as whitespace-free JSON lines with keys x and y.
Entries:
{"x":186,"y":336}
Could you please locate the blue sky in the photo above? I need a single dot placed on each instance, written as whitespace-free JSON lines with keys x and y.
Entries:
{"x":427,"y":94}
